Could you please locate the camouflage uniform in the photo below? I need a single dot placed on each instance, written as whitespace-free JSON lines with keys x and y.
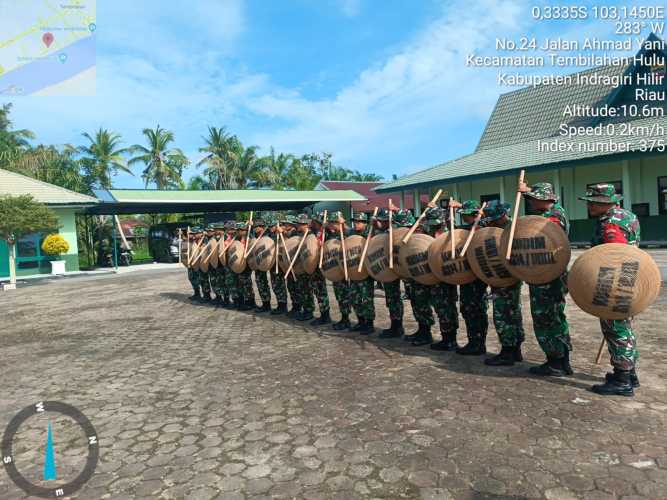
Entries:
{"x":290,"y":281}
{"x":341,"y":288}
{"x":474,"y":303}
{"x":507,"y":317}
{"x":246,"y":290}
{"x":617,"y":226}
{"x":362,"y":292}
{"x":203,"y":278}
{"x":262,"y":277}
{"x":547,"y":302}
{"x":277,"y":278}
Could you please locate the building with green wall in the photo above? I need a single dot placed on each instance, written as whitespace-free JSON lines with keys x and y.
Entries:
{"x":524,"y":132}
{"x":66,"y":204}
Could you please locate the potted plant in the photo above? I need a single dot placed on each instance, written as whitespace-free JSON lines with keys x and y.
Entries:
{"x":55,"y":244}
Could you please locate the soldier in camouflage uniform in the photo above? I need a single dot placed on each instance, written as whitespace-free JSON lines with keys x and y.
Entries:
{"x":547,"y":302}
{"x":246,"y":290}
{"x":342,"y":287}
{"x":392,"y":290}
{"x":303,"y":285}
{"x":218,"y":274}
{"x":474,"y":303}
{"x":230,"y":277}
{"x":196,"y":236}
{"x":615,"y":225}
{"x":277,"y":278}
{"x":203,"y":276}
{"x":443,"y":295}
{"x":287,"y":229}
{"x":318,"y":284}
{"x":507,"y":316}
{"x":362,"y":291}
{"x":262,"y":277}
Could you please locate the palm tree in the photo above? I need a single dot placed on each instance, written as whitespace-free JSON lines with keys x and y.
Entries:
{"x":103,"y":157}
{"x":220,"y":149}
{"x":199,"y":183}
{"x":247,"y":167}
{"x":274,"y":170}
{"x":164,"y":165}
{"x":359,"y":177}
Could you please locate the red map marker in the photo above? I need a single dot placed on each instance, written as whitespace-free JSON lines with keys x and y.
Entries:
{"x":47,"y":38}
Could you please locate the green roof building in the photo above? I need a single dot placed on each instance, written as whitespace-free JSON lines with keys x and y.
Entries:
{"x":524,"y":132}
{"x":66,"y":204}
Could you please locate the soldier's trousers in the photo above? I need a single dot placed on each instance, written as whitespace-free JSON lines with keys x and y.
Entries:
{"x":318,"y":287}
{"x":342,"y":294}
{"x":621,"y":342}
{"x":305,"y":292}
{"x":443,"y":300}
{"x":474,"y":309}
{"x":205,"y":283}
{"x":361,"y":295}
{"x":507,"y":316}
{"x":547,"y":307}
{"x":294,"y":295}
{"x":217,"y":280}
{"x":232,"y":284}
{"x":262,"y":282}
{"x":420,"y":299}
{"x":392,"y":298}
{"x":223,"y":281}
{"x":278,"y":286}
{"x":245,"y":286}
{"x":193,"y":278}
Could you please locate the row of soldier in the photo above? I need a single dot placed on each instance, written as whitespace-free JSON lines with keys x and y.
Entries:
{"x":428,"y":302}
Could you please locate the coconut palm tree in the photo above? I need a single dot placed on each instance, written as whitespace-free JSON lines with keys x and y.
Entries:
{"x":221,"y":153}
{"x":164,"y":165}
{"x":247,"y":167}
{"x":275,"y":169}
{"x":359,"y":177}
{"x":103,"y":157}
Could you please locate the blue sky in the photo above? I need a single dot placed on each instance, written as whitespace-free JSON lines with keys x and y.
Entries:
{"x":381,"y":84}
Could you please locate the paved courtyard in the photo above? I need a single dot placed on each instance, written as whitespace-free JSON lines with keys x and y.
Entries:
{"x":193,"y":402}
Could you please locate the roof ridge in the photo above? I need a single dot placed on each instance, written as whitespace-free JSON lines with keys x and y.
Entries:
{"x":48,"y":184}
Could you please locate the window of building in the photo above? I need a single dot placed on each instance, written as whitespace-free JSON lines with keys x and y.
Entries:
{"x":29,"y":251}
{"x":662,"y":195}
{"x":640,"y":209}
{"x":618,"y":185}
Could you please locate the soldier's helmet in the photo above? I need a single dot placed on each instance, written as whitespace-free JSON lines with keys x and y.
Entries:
{"x":360,"y":217}
{"x":382,"y":215}
{"x":470,"y":207}
{"x":336,"y":216}
{"x":404,"y":218}
{"x":495,"y":210}
{"x":319,"y":217}
{"x":542,"y":191}
{"x":259,"y":222}
{"x":241,"y":225}
{"x":602,"y":193}
{"x":302,"y":219}
{"x":217,"y":226}
{"x":289,"y":220}
{"x":196,"y":230}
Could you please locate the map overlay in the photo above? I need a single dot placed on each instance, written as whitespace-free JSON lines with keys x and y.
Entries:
{"x":47,"y":47}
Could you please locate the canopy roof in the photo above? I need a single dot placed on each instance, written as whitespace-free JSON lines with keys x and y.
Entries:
{"x":14,"y":184}
{"x":154,"y":201}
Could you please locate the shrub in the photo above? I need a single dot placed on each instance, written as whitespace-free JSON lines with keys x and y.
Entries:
{"x":54,"y":244}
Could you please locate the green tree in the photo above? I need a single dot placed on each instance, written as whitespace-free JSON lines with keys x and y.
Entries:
{"x":302,"y":176}
{"x":221,"y":150}
{"x":103,"y":157}
{"x":274,"y":170}
{"x":164,"y":165}
{"x":20,"y":216}
{"x":359,"y":177}
{"x":11,"y":141}
{"x":200,"y":183}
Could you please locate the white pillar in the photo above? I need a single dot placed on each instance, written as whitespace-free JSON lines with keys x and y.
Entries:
{"x":627,"y":186}
{"x":502,"y":188}
{"x":556,"y":177}
{"x":417,"y":202}
{"x":402,"y":202}
{"x":12,"y":263}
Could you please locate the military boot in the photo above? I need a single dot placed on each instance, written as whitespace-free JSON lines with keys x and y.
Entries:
{"x":294,"y":312}
{"x":413,"y":336}
{"x":634,"y":380}
{"x":343,"y":324}
{"x":504,"y":358}
{"x":265,"y":307}
{"x":281,"y":309}
{"x":248,"y":305}
{"x":324,"y":319}
{"x":224,"y":302}
{"x":517,"y":353}
{"x":195,"y":296}
{"x":474,"y":347}
{"x":618,"y":384}
{"x":424,"y":337}
{"x":359,"y":326}
{"x":554,"y":367}
{"x":394,"y":331}
{"x":304,"y":316}
{"x":448,"y":342}
{"x":206,"y":298}
{"x":238,"y":303}
{"x":368,"y":327}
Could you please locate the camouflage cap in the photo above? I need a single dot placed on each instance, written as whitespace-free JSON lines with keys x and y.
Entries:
{"x":271,"y":221}
{"x":542,"y":191}
{"x":302,"y":219}
{"x":319,"y":217}
{"x":259,"y":222}
{"x":602,"y":193}
{"x":288,"y":219}
{"x":241,"y":226}
{"x":196,"y":230}
{"x":335,"y":216}
{"x":230,"y":225}
{"x":404,"y":218}
{"x":216,"y":226}
{"x":382,"y":215}
{"x":495,"y":210}
{"x":470,"y":207}
{"x":360,"y":217}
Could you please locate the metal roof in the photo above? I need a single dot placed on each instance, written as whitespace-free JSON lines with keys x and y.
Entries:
{"x":116,"y":201}
{"x":525,"y":155}
{"x":15,"y":184}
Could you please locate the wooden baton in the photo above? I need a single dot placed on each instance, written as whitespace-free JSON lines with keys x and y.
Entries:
{"x":451,"y":227}
{"x":324,"y":235}
{"x":598,"y":358}
{"x":478,"y":217}
{"x":368,"y":240}
{"x":247,"y":236}
{"x":435,"y":199}
{"x":391,"y":237}
{"x":517,"y":202}
{"x":342,"y":244}
{"x":296,"y":254}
